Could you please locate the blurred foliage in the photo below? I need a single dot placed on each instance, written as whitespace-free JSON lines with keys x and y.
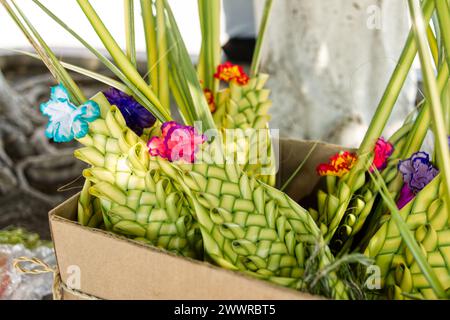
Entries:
{"x":30,"y":240}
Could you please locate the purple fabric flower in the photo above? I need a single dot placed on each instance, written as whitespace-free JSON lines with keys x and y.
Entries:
{"x":136,"y":116}
{"x":406,"y":195}
{"x":417,"y":171}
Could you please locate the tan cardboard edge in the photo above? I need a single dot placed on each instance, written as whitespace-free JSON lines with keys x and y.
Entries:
{"x":53,"y":213}
{"x":276,"y":292}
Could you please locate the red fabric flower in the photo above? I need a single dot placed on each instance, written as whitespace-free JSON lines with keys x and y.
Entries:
{"x":339,"y":164}
{"x":210,"y":99}
{"x":231,"y":72}
{"x":383,"y":150}
{"x":177,"y":142}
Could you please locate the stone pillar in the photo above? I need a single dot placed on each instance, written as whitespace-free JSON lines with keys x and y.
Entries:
{"x":330,"y":61}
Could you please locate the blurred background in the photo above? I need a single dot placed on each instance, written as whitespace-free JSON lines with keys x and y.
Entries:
{"x":329,"y":62}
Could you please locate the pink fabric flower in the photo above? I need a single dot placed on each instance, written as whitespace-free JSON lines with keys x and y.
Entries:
{"x":166,"y":126}
{"x":383,"y":150}
{"x":177,"y":142}
{"x":157,"y":147}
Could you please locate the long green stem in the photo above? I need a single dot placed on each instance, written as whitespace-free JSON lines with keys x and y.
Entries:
{"x":88,"y":73}
{"x":121,"y":59}
{"x":407,"y":236}
{"x":416,"y":136}
{"x":433,"y":45}
{"x":437,"y":32}
{"x":379,"y":121}
{"x":31,"y":40}
{"x":183,"y":73}
{"x":422,"y":123}
{"x":181,"y":100}
{"x":300,"y":166}
{"x":256,"y":61}
{"x":440,"y":132}
{"x":150,"y":42}
{"x":209,"y":59}
{"x":130,"y":31}
{"x":138,"y":95}
{"x":389,"y":97}
{"x":414,"y":142}
{"x":443,"y":13}
{"x":163,"y":66}
{"x":76,"y":94}
{"x":446,"y":99}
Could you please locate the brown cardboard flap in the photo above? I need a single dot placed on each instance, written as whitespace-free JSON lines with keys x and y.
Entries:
{"x":292,"y":154}
{"x":67,"y":209}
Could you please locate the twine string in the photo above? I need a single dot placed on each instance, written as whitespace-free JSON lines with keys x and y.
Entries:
{"x":37,"y":266}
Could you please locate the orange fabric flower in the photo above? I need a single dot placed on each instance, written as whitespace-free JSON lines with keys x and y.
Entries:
{"x":339,"y":164}
{"x":231,"y":72}
{"x":210,"y":98}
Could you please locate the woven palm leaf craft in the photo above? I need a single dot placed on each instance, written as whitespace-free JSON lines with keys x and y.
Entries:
{"x":349,"y":199}
{"x":417,"y":265}
{"x":277,"y":234}
{"x":243,"y":103}
{"x":247,"y":225}
{"x":90,"y":212}
{"x":242,"y":107}
{"x":204,"y":188}
{"x":136,"y":199}
{"x":406,"y":141}
{"x":428,"y":219}
{"x":362,"y":205}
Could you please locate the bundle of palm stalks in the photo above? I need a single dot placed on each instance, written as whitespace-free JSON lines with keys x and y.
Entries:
{"x":204,"y":187}
{"x":379,"y":207}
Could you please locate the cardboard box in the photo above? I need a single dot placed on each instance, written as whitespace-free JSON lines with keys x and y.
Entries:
{"x":109,"y":266}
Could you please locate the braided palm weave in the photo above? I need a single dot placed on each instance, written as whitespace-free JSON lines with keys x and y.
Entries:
{"x":136,"y":198}
{"x":428,"y":218}
{"x":246,"y":107}
{"x":89,"y":208}
{"x":247,"y":225}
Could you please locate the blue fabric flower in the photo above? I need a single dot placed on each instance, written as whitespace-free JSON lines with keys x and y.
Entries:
{"x":66,"y":121}
{"x":136,"y":116}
